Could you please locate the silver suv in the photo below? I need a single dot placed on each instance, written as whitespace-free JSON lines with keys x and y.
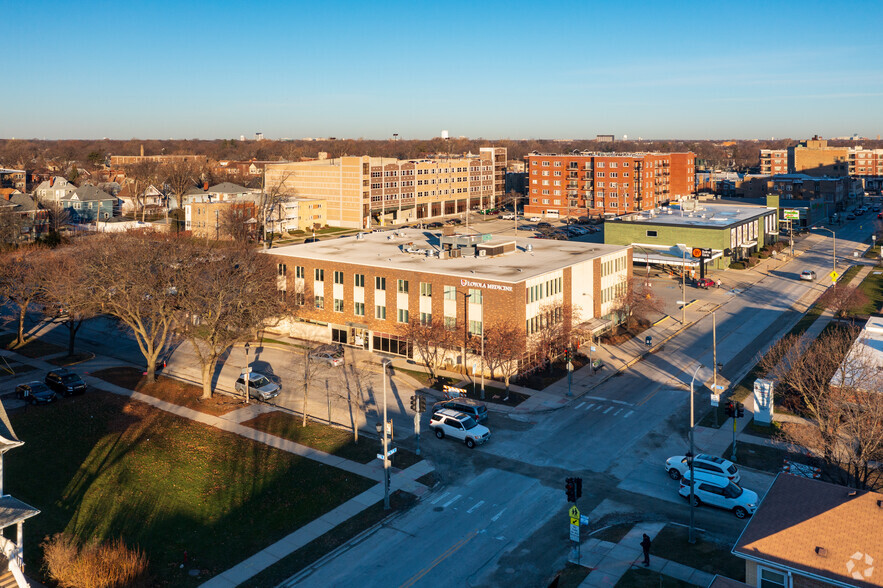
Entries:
{"x":330,"y":354}
{"x":259,"y":386}
{"x":447,"y":422}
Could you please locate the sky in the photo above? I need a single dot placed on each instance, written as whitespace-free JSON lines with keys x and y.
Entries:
{"x":543,"y":69}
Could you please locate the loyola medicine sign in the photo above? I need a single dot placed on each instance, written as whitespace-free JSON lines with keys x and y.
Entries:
{"x":485,"y":285}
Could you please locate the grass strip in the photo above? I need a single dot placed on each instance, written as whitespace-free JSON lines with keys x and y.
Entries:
{"x":672,"y":543}
{"x":642,"y":578}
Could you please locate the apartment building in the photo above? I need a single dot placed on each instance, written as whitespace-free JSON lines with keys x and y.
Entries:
{"x":773,"y":161}
{"x":224,"y":220}
{"x":297,"y":214}
{"x":364,"y":290}
{"x":120,"y":160}
{"x":598,"y":184}
{"x":364,"y":191}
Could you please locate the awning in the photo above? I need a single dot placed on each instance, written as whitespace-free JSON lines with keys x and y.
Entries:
{"x":749,"y":244}
{"x":595,"y":325}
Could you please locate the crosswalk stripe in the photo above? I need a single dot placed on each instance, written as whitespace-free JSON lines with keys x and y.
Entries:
{"x":440,"y":498}
{"x":590,"y":406}
{"x":608,"y":410}
{"x":476,"y":505}
{"x":628,"y":414}
{"x":599,"y":407}
{"x":617,"y":412}
{"x":452,"y":500}
{"x":578,"y":405}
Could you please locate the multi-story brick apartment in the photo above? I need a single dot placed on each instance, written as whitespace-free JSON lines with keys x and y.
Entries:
{"x":364,"y":290}
{"x":773,"y":161}
{"x":363,"y":192}
{"x":120,"y":160}
{"x":597,"y":184}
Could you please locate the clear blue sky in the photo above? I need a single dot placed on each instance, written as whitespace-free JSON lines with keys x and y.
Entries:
{"x":539,"y":69}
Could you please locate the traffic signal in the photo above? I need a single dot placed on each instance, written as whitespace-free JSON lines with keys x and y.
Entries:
{"x":570,"y":489}
{"x":731,"y":409}
{"x":579,"y":487}
{"x":566,"y":354}
{"x":421,"y":403}
{"x":414,"y":403}
{"x":740,"y":410}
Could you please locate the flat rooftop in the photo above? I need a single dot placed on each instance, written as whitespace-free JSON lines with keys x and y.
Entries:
{"x":387,"y":249}
{"x":704,"y":215}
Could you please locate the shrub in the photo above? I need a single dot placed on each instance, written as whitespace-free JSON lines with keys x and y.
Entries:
{"x":752,"y":261}
{"x":94,"y":565}
{"x":779,"y":245}
{"x":763,"y":255}
{"x":737,"y":265}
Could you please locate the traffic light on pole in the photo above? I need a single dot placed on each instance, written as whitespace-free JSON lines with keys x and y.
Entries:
{"x":731,"y":409}
{"x":421,"y":403}
{"x":566,"y":354}
{"x":570,"y":489}
{"x":414,"y":403}
{"x":740,"y":410}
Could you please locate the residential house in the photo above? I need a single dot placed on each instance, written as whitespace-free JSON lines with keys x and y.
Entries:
{"x":153,"y":199}
{"x":54,"y":189}
{"x":809,"y":534}
{"x":88,"y":204}
{"x":26,"y":206}
{"x":13,"y":178}
{"x":225,"y":191}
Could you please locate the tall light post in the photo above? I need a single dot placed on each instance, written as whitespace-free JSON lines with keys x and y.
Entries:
{"x":692,"y":537}
{"x":383,"y":430}
{"x":684,"y":290}
{"x":834,"y":249}
{"x":466,"y":297}
{"x":247,"y":372}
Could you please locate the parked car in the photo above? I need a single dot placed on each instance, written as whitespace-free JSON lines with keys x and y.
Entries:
{"x":65,"y":382}
{"x":508,"y":217}
{"x":330,"y":354}
{"x":808,"y":275}
{"x":435,"y":225}
{"x":35,"y":393}
{"x":474,"y":408}
{"x":259,"y":386}
{"x":544,"y":225}
{"x":850,"y":216}
{"x":718,"y":491}
{"x":311,"y":240}
{"x":461,"y":426}
{"x":677,"y":465}
{"x":535,"y":219}
{"x":705,"y":283}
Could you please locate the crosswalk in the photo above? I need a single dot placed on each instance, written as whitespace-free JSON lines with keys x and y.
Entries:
{"x":612,"y":408}
{"x":470,"y":504}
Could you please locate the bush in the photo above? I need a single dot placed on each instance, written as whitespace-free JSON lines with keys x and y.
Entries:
{"x":737,"y":265}
{"x":93,"y":565}
{"x":752,"y":261}
{"x":763,"y":255}
{"x":779,"y":245}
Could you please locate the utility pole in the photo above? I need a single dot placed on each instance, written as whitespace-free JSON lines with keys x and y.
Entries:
{"x":714,"y":355}
{"x":692,"y":537}
{"x":482,"y":352}
{"x":385,"y":364}
{"x":684,"y":290}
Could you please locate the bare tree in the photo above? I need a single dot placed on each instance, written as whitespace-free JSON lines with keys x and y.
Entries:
{"x":836,"y":386}
{"x":228,"y":295}
{"x":57,"y":215}
{"x":638,"y":302}
{"x":842,"y":299}
{"x":64,"y":296}
{"x":141,"y":176}
{"x":181,"y":176}
{"x":11,"y":226}
{"x":21,"y":282}
{"x":270,"y":209}
{"x":135,"y":277}
{"x":432,"y":341}
{"x":504,"y":348}
{"x":556,"y":323}
{"x":311,"y":370}
{"x":237,"y":222}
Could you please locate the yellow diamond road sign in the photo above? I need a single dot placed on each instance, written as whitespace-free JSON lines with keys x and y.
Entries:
{"x":834,"y":276}
{"x":574,"y":513}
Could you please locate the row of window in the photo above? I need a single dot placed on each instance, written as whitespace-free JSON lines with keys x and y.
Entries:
{"x":612,"y":164}
{"x":543,"y":321}
{"x":612,"y":266}
{"x":544,"y":290}
{"x":613,"y":292}
{"x":422,"y":172}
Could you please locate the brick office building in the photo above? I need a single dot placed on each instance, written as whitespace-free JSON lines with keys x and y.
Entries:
{"x":363,"y":192}
{"x":597,"y":184}
{"x":363,"y":290}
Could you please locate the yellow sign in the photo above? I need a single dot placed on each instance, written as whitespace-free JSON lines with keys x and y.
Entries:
{"x":574,"y":512}
{"x":574,"y":521}
{"x":834,"y":276}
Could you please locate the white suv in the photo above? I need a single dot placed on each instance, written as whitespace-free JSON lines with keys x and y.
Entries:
{"x":459,"y":426}
{"x":677,"y":466}
{"x":720,"y":492}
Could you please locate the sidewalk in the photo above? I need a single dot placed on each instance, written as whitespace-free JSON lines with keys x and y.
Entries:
{"x":610,"y":561}
{"x":231,"y":422}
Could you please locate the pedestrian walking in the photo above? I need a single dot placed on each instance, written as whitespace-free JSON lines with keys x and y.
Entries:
{"x":718,"y":283}
{"x":645,"y":545}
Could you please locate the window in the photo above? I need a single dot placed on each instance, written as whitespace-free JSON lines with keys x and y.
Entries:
{"x":450,"y":322}
{"x":379,"y":283}
{"x":281,"y":269}
{"x":425,"y":289}
{"x":320,"y":302}
{"x":450,"y":292}
{"x":338,"y":305}
{"x":338,"y":277}
{"x":475,"y":327}
{"x":298,"y":271}
{"x":320,"y":275}
{"x":425,"y":318}
{"x":359,"y":309}
{"x":403,"y":315}
{"x":380,"y":312}
{"x":403,"y":287}
{"x":475,"y":296}
{"x":359,"y":280}
{"x":771,"y":579}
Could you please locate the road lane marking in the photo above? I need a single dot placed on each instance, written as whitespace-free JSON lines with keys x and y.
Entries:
{"x":628,"y":414}
{"x":599,"y":407}
{"x":451,"y":551}
{"x":476,"y":505}
{"x":440,"y":498}
{"x":590,"y":406}
{"x":646,"y":398}
{"x":608,"y":410}
{"x":452,"y":500}
{"x":578,"y":405}
{"x":600,"y":399}
{"x":498,"y":515}
{"x":617,"y":412}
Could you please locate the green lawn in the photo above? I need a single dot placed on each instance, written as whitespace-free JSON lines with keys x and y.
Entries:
{"x":337,"y":442}
{"x":102,"y":466}
{"x":644,"y":578}
{"x":715,"y":558}
{"x":872,"y":287}
{"x":613,"y":533}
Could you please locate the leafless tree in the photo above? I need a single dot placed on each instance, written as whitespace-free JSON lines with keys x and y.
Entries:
{"x":270,"y":209}
{"x":135,"y":277}
{"x":557,"y":322}
{"x":21,"y":282}
{"x":141,"y":176}
{"x":311,"y":371}
{"x":842,"y":299}
{"x":237,"y":222}
{"x":11,"y":226}
{"x":432,"y":341}
{"x":836,"y":386}
{"x":504,"y":348}
{"x":638,"y":302}
{"x":64,"y":295}
{"x":181,"y":176}
{"x":57,"y":215}
{"x":229,"y":294}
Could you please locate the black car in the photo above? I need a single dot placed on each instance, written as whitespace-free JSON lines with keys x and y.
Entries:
{"x":544,"y":225}
{"x":65,"y":382}
{"x":435,"y":225}
{"x":35,"y":393}
{"x":474,"y":408}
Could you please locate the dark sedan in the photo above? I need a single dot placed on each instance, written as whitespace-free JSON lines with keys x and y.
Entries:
{"x":35,"y":393}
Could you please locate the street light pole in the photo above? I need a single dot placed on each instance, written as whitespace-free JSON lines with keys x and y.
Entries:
{"x":385,"y":364}
{"x":466,"y":296}
{"x":247,"y":372}
{"x":692,"y":537}
{"x":834,"y":242}
{"x":684,"y":290}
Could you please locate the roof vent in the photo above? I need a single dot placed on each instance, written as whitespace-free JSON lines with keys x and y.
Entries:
{"x":821,"y":551}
